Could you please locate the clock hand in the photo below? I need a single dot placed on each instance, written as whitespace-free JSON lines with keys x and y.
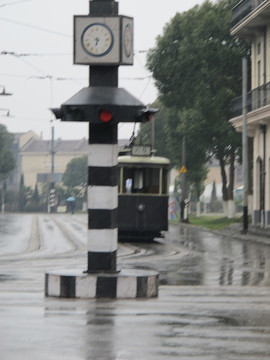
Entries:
{"x":97,"y":40}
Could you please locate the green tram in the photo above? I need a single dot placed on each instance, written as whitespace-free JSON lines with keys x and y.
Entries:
{"x":143,"y":181}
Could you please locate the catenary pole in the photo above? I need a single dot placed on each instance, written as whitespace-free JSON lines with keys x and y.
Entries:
{"x":245,"y":147}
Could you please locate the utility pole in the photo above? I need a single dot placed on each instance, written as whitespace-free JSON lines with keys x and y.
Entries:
{"x":184,"y":187}
{"x":153,"y":133}
{"x":52,"y":196}
{"x":245,"y":147}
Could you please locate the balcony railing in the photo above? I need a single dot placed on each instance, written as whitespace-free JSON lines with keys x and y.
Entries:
{"x":256,"y":99}
{"x":243,"y":9}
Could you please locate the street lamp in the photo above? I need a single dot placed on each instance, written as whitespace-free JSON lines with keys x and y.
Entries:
{"x":3,"y":91}
{"x":6,"y":113}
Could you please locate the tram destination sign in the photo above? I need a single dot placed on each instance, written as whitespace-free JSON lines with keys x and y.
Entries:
{"x":141,"y":150}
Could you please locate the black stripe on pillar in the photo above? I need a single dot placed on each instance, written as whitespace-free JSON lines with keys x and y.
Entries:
{"x":103,"y":133}
{"x":142,"y":286}
{"x":103,"y":8}
{"x":102,"y":219}
{"x":104,"y":75}
{"x":67,"y":286}
{"x":102,"y":176}
{"x":106,"y":287}
{"x":46,"y":284}
{"x":102,"y":261}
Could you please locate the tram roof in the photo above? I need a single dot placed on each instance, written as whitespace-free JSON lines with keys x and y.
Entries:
{"x":150,"y":160}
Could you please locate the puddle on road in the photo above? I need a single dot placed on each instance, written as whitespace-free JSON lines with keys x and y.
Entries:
{"x":210,"y":260}
{"x":6,"y":277}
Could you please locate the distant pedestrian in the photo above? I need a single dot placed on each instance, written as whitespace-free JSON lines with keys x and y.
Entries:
{"x":72,"y":205}
{"x":172,"y":210}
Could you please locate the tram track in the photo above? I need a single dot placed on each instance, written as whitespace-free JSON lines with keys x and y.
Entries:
{"x":42,"y":241}
{"x":60,"y":226}
{"x":34,"y":244}
{"x":77,"y":244}
{"x":37,"y":246}
{"x":35,"y":241}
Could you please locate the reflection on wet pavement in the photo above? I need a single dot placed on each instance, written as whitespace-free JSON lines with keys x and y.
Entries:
{"x":186,"y":256}
{"x":184,"y":322}
{"x":212,"y":260}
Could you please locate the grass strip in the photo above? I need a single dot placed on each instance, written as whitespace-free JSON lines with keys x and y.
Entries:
{"x":212,"y":222}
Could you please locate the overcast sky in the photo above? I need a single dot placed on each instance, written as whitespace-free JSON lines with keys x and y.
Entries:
{"x":47,"y":77}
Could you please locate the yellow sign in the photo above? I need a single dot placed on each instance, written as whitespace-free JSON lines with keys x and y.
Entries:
{"x":183,"y":170}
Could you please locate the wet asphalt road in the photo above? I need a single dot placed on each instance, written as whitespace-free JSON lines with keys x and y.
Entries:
{"x":204,"y":258}
{"x":224,"y":315}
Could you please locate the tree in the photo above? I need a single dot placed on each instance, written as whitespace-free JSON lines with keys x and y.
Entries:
{"x":25,"y":194}
{"x":197,"y":66}
{"x":35,"y":197}
{"x":214,"y":192}
{"x":170,"y":128}
{"x":7,"y":161}
{"x":76,"y":173}
{"x":162,"y":143}
{"x":215,"y":205}
{"x":32,"y":200}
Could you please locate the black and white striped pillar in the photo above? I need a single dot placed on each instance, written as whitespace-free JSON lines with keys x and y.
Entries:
{"x":101,"y":280}
{"x":102,"y":198}
{"x":102,"y":168}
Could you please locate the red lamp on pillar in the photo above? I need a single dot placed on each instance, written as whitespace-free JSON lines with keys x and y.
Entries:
{"x":105,"y":115}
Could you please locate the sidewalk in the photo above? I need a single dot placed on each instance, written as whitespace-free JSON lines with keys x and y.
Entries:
{"x":255,"y":233}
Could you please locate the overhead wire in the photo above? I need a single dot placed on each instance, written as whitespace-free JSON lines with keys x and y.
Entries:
{"x":22,"y":56}
{"x":28,"y":63}
{"x":36,"y":27}
{"x":14,"y":2}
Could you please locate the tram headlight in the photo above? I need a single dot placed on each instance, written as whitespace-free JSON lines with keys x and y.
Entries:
{"x":141,"y":208}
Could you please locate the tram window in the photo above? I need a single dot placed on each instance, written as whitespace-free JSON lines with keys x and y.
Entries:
{"x":127,"y":180}
{"x":138,"y":180}
{"x":128,"y":187}
{"x":141,"y":180}
{"x":164,"y":181}
{"x":152,"y":181}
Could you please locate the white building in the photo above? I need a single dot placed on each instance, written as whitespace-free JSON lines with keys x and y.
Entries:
{"x":251,"y":21}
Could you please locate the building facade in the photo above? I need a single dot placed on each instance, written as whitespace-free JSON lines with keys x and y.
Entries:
{"x":34,"y":158}
{"x":251,"y":22}
{"x":20,"y":139}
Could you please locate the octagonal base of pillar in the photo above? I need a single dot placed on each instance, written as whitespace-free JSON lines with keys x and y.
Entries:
{"x":128,"y":283}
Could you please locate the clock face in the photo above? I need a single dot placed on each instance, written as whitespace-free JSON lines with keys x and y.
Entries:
{"x":97,"y":39}
{"x":103,"y":40}
{"x":128,"y":40}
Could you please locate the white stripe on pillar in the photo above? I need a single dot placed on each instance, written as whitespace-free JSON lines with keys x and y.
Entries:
{"x":54,"y":283}
{"x":104,"y":240}
{"x":104,"y":155}
{"x":102,"y":197}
